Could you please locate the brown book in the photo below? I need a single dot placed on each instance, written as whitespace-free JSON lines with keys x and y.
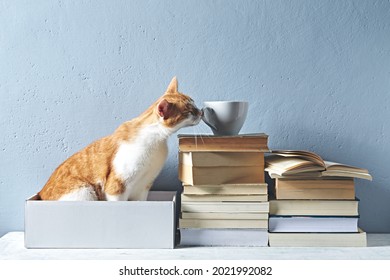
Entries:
{"x":320,"y":188}
{"x":299,"y":207}
{"x":221,"y":198}
{"x":191,"y":175}
{"x":229,"y":189}
{"x":222,"y":158}
{"x":256,"y":142}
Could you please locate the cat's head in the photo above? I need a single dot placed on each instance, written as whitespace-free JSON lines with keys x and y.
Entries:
{"x":177,"y":110}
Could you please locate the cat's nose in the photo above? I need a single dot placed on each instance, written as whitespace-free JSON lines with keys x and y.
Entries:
{"x":201,"y":112}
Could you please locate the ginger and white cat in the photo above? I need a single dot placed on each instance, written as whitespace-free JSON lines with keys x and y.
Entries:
{"x":123,"y":165}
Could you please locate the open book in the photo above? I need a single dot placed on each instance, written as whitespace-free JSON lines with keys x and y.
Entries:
{"x":293,"y":163}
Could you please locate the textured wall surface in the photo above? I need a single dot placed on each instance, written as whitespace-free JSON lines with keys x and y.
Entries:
{"x":316,"y":74}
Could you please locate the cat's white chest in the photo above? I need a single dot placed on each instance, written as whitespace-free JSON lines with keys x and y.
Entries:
{"x":137,"y":163}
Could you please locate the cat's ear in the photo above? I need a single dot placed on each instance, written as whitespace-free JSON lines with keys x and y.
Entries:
{"x":173,"y":86}
{"x":164,"y":109}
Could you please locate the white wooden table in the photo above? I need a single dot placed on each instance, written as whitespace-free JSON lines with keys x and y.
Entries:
{"x":12,"y":247}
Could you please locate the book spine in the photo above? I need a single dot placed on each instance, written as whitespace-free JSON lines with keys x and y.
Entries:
{"x":200,"y":223}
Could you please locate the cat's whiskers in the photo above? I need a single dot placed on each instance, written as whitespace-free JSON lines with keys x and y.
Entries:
{"x":199,"y":134}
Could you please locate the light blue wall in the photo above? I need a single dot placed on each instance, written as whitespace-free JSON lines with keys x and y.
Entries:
{"x":316,"y":74}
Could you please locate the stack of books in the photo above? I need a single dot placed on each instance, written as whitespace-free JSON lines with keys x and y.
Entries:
{"x":314,"y":202}
{"x":225,"y":198}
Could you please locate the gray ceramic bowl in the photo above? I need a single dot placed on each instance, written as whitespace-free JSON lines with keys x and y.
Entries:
{"x":225,"y":117}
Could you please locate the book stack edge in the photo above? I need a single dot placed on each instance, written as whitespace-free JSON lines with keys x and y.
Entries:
{"x":225,"y":198}
{"x":314,"y":202}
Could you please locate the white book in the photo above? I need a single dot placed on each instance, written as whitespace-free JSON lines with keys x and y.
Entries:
{"x":222,"y":223}
{"x":358,"y":239}
{"x":224,"y":237}
{"x":313,"y":224}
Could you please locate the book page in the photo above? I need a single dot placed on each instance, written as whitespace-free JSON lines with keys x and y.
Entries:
{"x":291,"y":163}
{"x":301,"y":154}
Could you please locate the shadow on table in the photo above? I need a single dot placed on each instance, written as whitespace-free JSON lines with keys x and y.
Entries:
{"x":378,"y":240}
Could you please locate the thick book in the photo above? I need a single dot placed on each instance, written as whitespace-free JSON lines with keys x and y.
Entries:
{"x":222,"y":223}
{"x":226,"y":189}
{"x":224,"y":215}
{"x":284,"y":163}
{"x":191,"y":175}
{"x":256,"y":142}
{"x":222,"y":198}
{"x":247,"y":207}
{"x":218,"y":159}
{"x":299,"y":207}
{"x":224,"y":237}
{"x":315,"y":188}
{"x":313,"y":224}
{"x":358,"y":239}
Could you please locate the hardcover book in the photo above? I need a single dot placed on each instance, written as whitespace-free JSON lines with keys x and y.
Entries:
{"x":222,"y":223}
{"x":224,"y":215}
{"x":312,"y":224}
{"x":224,"y":237}
{"x":299,"y":207}
{"x":226,"y":189}
{"x":223,"y":198}
{"x":256,"y":142}
{"x":332,"y":188}
{"x":191,"y":175}
{"x":358,"y":239}
{"x":218,"y":159}
{"x":247,"y":207}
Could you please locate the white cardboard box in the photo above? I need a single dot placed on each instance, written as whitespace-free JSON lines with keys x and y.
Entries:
{"x":102,"y":224}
